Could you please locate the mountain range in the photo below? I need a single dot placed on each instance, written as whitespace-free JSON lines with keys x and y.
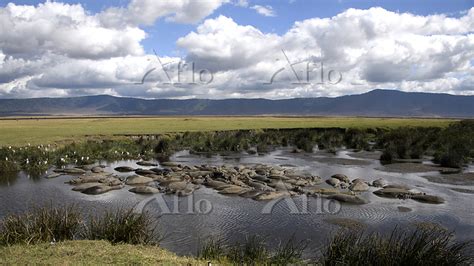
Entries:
{"x":377,"y":103}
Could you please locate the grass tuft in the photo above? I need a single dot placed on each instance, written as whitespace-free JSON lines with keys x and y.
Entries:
{"x":419,"y":247}
{"x":122,"y":226}
{"x":46,"y":224}
{"x":253,"y":251}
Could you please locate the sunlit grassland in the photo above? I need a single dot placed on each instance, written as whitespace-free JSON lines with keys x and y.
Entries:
{"x":20,"y":132}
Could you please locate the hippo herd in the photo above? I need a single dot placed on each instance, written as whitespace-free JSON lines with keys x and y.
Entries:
{"x":259,"y":182}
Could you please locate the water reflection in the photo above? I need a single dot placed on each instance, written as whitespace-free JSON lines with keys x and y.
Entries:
{"x":8,"y":179}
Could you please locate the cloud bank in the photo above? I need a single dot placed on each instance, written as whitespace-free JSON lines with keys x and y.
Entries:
{"x":56,"y":49}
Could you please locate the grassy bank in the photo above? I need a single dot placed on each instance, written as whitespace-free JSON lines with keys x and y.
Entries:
{"x":86,"y":252}
{"x":43,"y":131}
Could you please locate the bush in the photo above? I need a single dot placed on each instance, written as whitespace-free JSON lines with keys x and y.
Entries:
{"x":419,"y":247}
{"x":122,"y":226}
{"x":41,"y":225}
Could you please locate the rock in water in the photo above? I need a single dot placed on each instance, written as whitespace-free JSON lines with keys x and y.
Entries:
{"x":341,"y":177}
{"x":260,"y":186}
{"x":261,"y":178}
{"x":321,"y":191}
{"x":175,"y":186}
{"x":169,"y":164}
{"x":233,"y":190}
{"x":358,"y":180}
{"x":147,"y":163}
{"x":144,"y":172}
{"x":398,"y":186}
{"x":97,"y":169}
{"x":379,"y":183}
{"x":403,"y":209}
{"x":251,"y":193}
{"x":124,"y":169}
{"x":111,"y":181}
{"x":393,"y":193}
{"x":70,"y":171}
{"x":100,"y":189}
{"x":348,"y":199}
{"x":428,"y":199}
{"x":138,"y":180}
{"x":87,"y":179}
{"x":359,"y":187}
{"x":215,"y":184}
{"x":144,"y":190}
{"x":333,"y":182}
{"x":53,"y":175}
{"x":281,"y":186}
{"x":272,"y":195}
{"x":85,"y":186}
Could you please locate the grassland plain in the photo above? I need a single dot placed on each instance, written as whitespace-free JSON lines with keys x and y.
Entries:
{"x":21,"y":131}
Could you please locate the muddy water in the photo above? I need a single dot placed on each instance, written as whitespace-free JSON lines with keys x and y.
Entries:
{"x":233,"y":218}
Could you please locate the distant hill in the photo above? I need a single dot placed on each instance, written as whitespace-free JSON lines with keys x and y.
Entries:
{"x":374,"y":103}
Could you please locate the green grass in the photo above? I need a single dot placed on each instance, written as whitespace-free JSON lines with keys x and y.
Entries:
{"x":88,"y":252}
{"x":45,"y":131}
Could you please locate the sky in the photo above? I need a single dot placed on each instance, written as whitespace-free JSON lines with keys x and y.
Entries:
{"x":234,"y":48}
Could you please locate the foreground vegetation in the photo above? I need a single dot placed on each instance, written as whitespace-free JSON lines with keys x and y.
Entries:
{"x":47,"y":131}
{"x":419,"y":246}
{"x":52,"y":234}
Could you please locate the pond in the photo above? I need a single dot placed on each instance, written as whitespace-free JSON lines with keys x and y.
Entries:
{"x":186,"y":221}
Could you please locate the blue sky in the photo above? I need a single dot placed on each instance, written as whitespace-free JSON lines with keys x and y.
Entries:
{"x":70,"y":47}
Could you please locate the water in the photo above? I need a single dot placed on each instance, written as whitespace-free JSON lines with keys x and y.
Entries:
{"x":232,"y":218}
